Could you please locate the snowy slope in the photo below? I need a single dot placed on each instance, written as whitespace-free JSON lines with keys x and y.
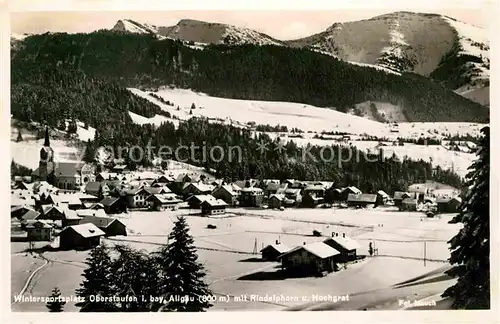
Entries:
{"x":130,"y":26}
{"x":314,"y":120}
{"x":290,"y":114}
{"x":473,"y":41}
{"x":413,"y":42}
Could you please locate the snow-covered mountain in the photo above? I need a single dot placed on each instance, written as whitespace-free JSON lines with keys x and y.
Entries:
{"x":432,"y":45}
{"x":127,"y":25}
{"x":196,"y":31}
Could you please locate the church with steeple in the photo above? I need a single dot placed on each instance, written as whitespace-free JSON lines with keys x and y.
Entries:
{"x":64,"y":175}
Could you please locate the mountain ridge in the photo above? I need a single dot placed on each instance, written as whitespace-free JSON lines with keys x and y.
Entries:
{"x":440,"y":47}
{"x":272,"y":73}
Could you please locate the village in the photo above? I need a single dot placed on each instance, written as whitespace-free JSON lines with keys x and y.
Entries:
{"x":67,"y":206}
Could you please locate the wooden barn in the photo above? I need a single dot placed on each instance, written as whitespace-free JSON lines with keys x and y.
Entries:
{"x":310,"y":258}
{"x":273,"y":251}
{"x":80,"y":237}
{"x":345,"y":245}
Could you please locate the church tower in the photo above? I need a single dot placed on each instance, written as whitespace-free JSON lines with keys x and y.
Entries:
{"x":45,"y":165}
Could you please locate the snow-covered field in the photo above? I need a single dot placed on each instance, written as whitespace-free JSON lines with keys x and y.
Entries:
{"x":27,"y":152}
{"x":290,"y":114}
{"x":473,"y":41}
{"x":156,"y":120}
{"x":400,"y":244}
{"x":315,"y":120}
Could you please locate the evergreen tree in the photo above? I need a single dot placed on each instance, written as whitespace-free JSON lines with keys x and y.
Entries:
{"x":72,"y":127}
{"x":55,"y":304}
{"x":470,"y":248}
{"x":97,"y":282}
{"x":134,"y":274}
{"x":181,"y":275}
{"x":193,"y":106}
{"x":19,"y":136}
{"x":90,"y":152}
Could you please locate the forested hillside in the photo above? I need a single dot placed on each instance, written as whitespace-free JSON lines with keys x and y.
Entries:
{"x":62,"y":70}
{"x":357,"y":168}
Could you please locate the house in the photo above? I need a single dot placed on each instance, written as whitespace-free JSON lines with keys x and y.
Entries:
{"x":274,"y":188}
{"x":399,"y":196}
{"x":70,"y":201}
{"x":361,"y":200}
{"x":213,"y":207}
{"x":157,"y":190}
{"x":317,"y":190}
{"x":195,"y":201}
{"x":309,"y":200}
{"x":434,"y":188}
{"x":333,"y":195}
{"x":93,"y":206}
{"x":349,"y":190}
{"x":86,"y":198}
{"x":18,"y":211}
{"x":70,"y":218}
{"x":251,"y":197}
{"x":97,"y":189}
{"x":104,"y":176}
{"x":82,"y":236}
{"x":90,"y":212}
{"x":136,"y":198}
{"x":409,"y":204}
{"x":345,"y":245}
{"x":309,"y":258}
{"x":448,"y":205}
{"x":247,"y":183}
{"x":114,"y":205}
{"x":39,"y":231}
{"x":52,"y":212}
{"x":197,"y":189}
{"x":115,"y":228}
{"x":273,"y":251}
{"x":162,"y":179}
{"x":120,"y":169}
{"x":160,"y":202}
{"x":30,"y":215}
{"x":227,"y":194}
{"x":100,"y":221}
{"x":276,"y":201}
{"x":293,"y":193}
{"x":382,"y":198}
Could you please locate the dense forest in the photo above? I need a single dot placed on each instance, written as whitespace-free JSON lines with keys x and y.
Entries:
{"x":54,"y":75}
{"x":368,"y":173}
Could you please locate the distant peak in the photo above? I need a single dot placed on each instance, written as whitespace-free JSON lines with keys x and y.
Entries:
{"x":191,"y":21}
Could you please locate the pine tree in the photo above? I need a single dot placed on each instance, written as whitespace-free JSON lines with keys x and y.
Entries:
{"x":55,"y":304}
{"x":470,"y":248}
{"x":90,"y":152}
{"x":134,"y":274}
{"x":19,"y":136}
{"x":181,"y":275}
{"x":97,"y":281}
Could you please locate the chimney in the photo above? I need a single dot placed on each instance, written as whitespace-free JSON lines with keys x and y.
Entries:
{"x":343,"y":235}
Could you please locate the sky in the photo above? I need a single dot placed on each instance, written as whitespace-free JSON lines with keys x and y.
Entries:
{"x":280,"y":24}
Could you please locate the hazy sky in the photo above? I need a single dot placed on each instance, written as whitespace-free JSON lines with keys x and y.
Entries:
{"x":279,"y":24}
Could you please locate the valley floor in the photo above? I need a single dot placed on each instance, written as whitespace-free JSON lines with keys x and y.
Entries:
{"x":235,"y":270}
